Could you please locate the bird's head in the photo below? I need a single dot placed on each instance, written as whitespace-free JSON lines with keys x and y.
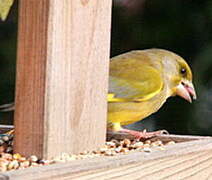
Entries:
{"x":178,"y":75}
{"x":185,"y":87}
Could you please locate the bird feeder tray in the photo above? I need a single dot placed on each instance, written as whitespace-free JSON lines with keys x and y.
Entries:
{"x":189,"y":158}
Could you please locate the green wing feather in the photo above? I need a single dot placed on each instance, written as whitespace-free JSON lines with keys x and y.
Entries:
{"x":133,"y":80}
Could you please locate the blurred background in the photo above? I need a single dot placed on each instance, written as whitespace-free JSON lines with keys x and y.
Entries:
{"x":184,"y":27}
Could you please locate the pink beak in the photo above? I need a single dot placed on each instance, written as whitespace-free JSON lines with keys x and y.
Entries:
{"x":186,"y":91}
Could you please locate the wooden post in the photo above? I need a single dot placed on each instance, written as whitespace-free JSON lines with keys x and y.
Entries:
{"x":62,"y":72}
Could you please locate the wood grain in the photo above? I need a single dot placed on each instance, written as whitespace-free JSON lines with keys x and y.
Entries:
{"x":172,"y":167}
{"x":62,"y":72}
{"x":188,"y":160}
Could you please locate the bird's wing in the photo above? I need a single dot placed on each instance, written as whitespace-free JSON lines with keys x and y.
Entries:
{"x":134,"y":83}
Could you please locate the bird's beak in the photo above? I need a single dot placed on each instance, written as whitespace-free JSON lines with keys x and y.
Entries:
{"x":186,"y":90}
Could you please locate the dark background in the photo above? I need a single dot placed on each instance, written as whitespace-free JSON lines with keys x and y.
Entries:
{"x":184,"y":27}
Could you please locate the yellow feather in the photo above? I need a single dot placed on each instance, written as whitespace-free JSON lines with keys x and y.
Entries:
{"x":5,"y":6}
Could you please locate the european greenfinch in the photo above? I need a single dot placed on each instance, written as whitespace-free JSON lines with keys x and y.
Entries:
{"x":139,"y":84}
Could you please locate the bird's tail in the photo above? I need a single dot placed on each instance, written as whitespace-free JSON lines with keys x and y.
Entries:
{"x":7,"y":107}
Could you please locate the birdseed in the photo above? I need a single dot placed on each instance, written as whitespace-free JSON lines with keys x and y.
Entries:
{"x":10,"y":161}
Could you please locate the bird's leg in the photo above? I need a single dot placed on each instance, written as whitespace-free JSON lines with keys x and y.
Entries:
{"x":143,"y":134}
{"x":116,"y":127}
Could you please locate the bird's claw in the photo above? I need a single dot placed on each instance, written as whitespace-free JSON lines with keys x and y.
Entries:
{"x":144,"y":134}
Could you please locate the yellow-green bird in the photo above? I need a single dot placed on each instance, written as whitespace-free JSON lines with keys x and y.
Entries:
{"x":140,"y":82}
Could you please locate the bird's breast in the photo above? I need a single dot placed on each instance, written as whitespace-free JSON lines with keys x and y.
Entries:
{"x":130,"y":112}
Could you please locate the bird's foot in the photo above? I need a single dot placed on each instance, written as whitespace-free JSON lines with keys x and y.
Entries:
{"x":144,"y":134}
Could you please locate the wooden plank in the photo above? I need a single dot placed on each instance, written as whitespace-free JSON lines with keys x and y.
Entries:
{"x":62,"y":72}
{"x":120,"y":136}
{"x":174,"y":159}
{"x":165,"y":168}
{"x":179,"y":138}
{"x":163,"y":137}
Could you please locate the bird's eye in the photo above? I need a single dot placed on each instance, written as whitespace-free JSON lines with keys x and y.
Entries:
{"x":183,"y":71}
